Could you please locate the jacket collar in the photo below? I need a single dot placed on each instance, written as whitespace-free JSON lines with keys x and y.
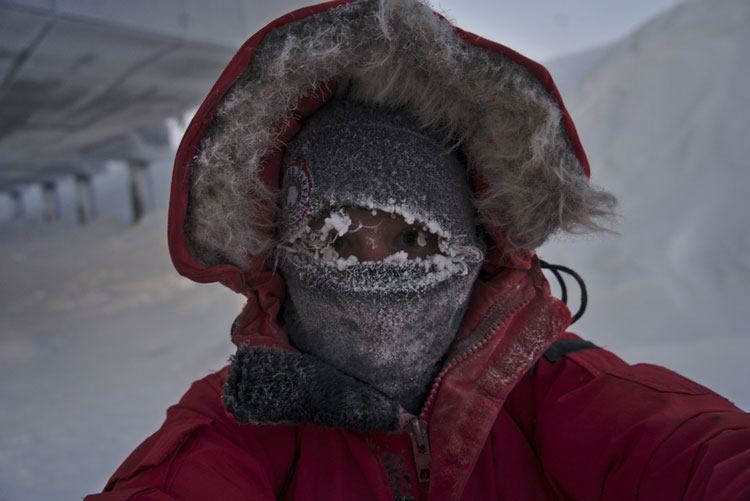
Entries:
{"x":511,"y":321}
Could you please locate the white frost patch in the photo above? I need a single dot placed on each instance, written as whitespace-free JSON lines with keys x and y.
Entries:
{"x":399,"y":257}
{"x":342,"y":263}
{"x":339,"y":221}
{"x":410,"y":217}
{"x":443,"y":267}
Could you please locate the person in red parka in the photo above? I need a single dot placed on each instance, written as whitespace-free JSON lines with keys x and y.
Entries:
{"x":375,"y":181}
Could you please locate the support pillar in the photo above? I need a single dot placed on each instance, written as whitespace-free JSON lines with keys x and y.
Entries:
{"x":141,"y":195}
{"x":85,"y":206}
{"x":51,"y":201}
{"x":19,"y":211}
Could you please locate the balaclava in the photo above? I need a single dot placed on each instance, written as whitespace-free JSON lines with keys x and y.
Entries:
{"x":388,"y":323}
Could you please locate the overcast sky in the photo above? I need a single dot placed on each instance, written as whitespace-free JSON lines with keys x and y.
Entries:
{"x":544,"y":29}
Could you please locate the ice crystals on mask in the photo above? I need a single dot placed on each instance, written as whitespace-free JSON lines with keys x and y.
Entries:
{"x":381,"y":235}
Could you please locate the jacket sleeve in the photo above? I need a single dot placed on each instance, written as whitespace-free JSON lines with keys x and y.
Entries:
{"x":200,"y":452}
{"x":606,"y":430}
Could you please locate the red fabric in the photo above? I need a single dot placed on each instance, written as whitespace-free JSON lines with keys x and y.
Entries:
{"x":586,"y":427}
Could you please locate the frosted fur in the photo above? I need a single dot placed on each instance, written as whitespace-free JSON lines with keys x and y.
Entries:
{"x":266,"y":385}
{"x":396,"y":53}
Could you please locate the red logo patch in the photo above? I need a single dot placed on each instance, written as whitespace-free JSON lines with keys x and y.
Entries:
{"x":296,"y":190}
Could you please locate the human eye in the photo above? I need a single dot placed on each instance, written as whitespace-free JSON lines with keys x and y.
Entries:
{"x":416,"y":241}
{"x":343,"y":245}
{"x":411,"y":238}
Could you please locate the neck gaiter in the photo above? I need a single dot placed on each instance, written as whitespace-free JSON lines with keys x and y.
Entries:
{"x":388,"y":324}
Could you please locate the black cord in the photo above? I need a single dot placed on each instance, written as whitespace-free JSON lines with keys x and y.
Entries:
{"x":556,"y":269}
{"x":561,"y":281}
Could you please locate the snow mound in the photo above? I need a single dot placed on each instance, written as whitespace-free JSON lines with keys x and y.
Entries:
{"x":663,"y":118}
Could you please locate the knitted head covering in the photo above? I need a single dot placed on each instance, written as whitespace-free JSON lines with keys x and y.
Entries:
{"x":389,"y":322}
{"x":354,"y":155}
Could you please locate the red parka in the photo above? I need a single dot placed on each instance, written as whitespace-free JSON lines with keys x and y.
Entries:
{"x":520,"y":411}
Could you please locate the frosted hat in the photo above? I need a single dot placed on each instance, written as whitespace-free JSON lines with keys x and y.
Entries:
{"x":352,"y":154}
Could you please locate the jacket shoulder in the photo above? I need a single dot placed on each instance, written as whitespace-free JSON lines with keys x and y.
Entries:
{"x":197,"y":447}
{"x":603,"y":428}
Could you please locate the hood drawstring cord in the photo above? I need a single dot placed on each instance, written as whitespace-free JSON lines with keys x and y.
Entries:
{"x":556,"y":269}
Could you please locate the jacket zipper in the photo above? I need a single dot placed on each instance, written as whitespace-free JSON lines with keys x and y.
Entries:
{"x":418,"y":432}
{"x":420,"y":445}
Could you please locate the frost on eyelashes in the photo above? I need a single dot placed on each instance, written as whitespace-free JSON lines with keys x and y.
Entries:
{"x":338,"y":220}
{"x":453,"y":257}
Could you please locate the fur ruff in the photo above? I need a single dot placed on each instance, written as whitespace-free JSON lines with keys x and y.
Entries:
{"x":397,"y":53}
{"x":271,"y":386}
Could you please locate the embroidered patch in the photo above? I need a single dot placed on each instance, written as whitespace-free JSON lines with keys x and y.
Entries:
{"x":296,"y":189}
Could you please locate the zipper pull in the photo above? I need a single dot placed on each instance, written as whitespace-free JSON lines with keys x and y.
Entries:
{"x":420,"y":444}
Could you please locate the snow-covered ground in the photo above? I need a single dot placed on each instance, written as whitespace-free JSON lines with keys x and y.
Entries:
{"x":98,"y":335}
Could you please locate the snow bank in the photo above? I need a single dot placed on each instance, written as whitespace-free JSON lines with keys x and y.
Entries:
{"x":663,"y":116}
{"x":98,"y":336}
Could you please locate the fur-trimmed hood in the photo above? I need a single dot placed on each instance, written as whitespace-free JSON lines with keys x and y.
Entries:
{"x":527,"y":166}
{"x":503,"y":110}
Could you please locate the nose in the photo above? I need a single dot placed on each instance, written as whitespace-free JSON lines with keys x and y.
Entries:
{"x":371,"y":245}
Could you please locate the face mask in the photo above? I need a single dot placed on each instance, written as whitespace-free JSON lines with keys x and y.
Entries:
{"x":388,"y":323}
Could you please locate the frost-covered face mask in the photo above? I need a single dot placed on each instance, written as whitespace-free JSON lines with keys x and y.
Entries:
{"x":379,"y":247}
{"x":375,"y":297}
